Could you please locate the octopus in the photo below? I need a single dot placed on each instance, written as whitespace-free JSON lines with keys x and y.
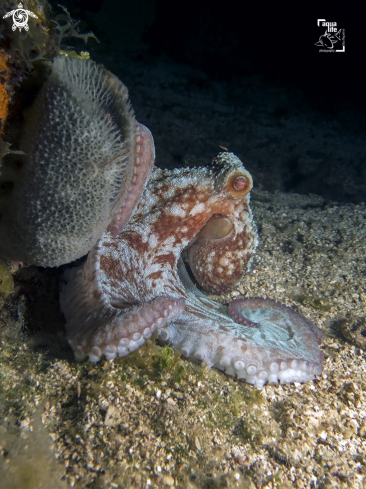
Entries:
{"x":135,"y":279}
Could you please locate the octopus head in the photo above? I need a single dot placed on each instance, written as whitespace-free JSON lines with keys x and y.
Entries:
{"x":222,"y":250}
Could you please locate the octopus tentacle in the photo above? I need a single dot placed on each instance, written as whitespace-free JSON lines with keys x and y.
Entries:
{"x":118,"y":332}
{"x":268,"y":310}
{"x":219,"y":342}
{"x":284,"y":347}
{"x":143,"y":157}
{"x":235,"y":314}
{"x":94,"y":326}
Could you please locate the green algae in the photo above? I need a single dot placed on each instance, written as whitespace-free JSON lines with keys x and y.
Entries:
{"x":249,"y":432}
{"x":163,"y":361}
{"x":320,"y":303}
{"x":73,"y":54}
{"x":6,"y":281}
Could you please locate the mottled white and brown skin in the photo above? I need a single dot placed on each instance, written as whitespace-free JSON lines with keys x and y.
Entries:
{"x":135,"y":281}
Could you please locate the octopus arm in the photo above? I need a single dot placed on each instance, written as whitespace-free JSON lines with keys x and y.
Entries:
{"x":256,"y":339}
{"x":95,"y":326}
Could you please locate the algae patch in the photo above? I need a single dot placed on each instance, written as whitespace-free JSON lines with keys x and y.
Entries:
{"x":6,"y":281}
{"x":319,"y":303}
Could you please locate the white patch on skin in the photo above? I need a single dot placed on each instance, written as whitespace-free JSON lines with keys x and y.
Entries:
{"x":168,"y":244}
{"x":152,"y":241}
{"x":230,"y":269}
{"x":224,"y":261}
{"x":177,"y":210}
{"x":197,"y":208}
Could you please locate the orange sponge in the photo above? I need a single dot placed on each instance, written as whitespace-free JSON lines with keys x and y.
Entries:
{"x":5,"y":92}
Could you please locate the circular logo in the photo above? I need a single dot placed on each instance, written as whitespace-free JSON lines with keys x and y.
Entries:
{"x":20,"y":19}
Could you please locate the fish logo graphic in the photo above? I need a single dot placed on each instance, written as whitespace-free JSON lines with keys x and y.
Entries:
{"x":20,"y":18}
{"x":328,"y":39}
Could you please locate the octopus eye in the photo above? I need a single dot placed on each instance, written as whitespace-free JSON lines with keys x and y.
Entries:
{"x":240,"y":183}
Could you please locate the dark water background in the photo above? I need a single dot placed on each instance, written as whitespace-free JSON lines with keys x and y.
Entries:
{"x":229,"y":47}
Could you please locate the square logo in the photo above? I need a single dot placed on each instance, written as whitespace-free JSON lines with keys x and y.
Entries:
{"x":333,"y":40}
